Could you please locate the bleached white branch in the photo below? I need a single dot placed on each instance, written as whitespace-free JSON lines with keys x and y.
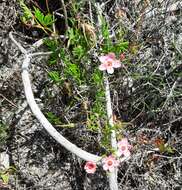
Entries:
{"x":110,"y":113}
{"x":40,"y":116}
{"x":113,"y":175}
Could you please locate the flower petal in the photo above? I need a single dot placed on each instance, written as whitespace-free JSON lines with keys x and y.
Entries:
{"x":110,"y":70}
{"x":111,"y":168}
{"x":123,"y":142}
{"x":130,"y":147}
{"x":116,"y":64}
{"x":90,"y":167}
{"x":103,"y":59}
{"x":102,"y":67}
{"x":105,"y":167}
{"x":111,"y":55}
{"x":127,"y":153}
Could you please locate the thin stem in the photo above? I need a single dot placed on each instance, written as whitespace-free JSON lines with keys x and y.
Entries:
{"x":47,"y":5}
{"x":8,"y":101}
{"x":65,"y":14}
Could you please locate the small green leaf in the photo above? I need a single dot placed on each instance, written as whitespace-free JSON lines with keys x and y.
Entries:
{"x":48,"y":19}
{"x":169,"y":150}
{"x":73,"y":70}
{"x":97,"y":77}
{"x":27,"y":14}
{"x":5,"y":177}
{"x":43,"y":20}
{"x":78,"y":52}
{"x":51,"y":44}
{"x":53,"y":118}
{"x":54,"y":76}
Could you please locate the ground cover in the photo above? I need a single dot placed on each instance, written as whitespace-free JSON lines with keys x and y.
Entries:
{"x":68,"y":86}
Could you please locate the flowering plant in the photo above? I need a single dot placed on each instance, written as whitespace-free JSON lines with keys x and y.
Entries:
{"x":109,"y":62}
{"x":90,"y":167}
{"x":109,"y":163}
{"x":112,"y":161}
{"x":124,"y":147}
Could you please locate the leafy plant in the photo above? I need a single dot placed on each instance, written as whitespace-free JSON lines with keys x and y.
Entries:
{"x":97,"y":77}
{"x":5,"y":174}
{"x":93,"y":122}
{"x":27,"y":13}
{"x":99,"y":106}
{"x":78,"y":52}
{"x":54,"y":76}
{"x":108,"y":46}
{"x":73,"y":36}
{"x":106,"y":134}
{"x":74,"y":71}
{"x":52,"y":45}
{"x":53,"y":118}
{"x":35,"y":18}
{"x":46,"y":20}
{"x":78,"y":65}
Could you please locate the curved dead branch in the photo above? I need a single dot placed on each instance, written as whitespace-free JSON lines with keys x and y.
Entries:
{"x":40,"y":116}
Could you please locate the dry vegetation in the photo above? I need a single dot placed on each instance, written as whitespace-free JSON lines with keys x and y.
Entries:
{"x":146,"y":96}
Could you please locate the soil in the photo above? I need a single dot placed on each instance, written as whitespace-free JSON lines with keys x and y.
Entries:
{"x":42,"y":164}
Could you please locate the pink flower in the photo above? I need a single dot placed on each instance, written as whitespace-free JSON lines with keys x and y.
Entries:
{"x":90,"y":167}
{"x":124,"y":147}
{"x":109,"y":163}
{"x":109,"y":62}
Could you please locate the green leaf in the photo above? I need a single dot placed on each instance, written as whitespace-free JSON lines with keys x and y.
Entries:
{"x":43,"y":20}
{"x":73,"y":70}
{"x":73,"y":37}
{"x":78,"y":52}
{"x":121,"y":46}
{"x":53,"y":58}
{"x":53,"y":118}
{"x":27,"y":13}
{"x":97,"y":77}
{"x":169,"y":150}
{"x":48,"y":19}
{"x":51,"y":44}
{"x":38,"y":15}
{"x":5,"y":177}
{"x":54,"y":76}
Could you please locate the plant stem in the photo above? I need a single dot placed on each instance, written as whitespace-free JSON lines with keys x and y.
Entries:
{"x":113,"y":176}
{"x":65,"y":14}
